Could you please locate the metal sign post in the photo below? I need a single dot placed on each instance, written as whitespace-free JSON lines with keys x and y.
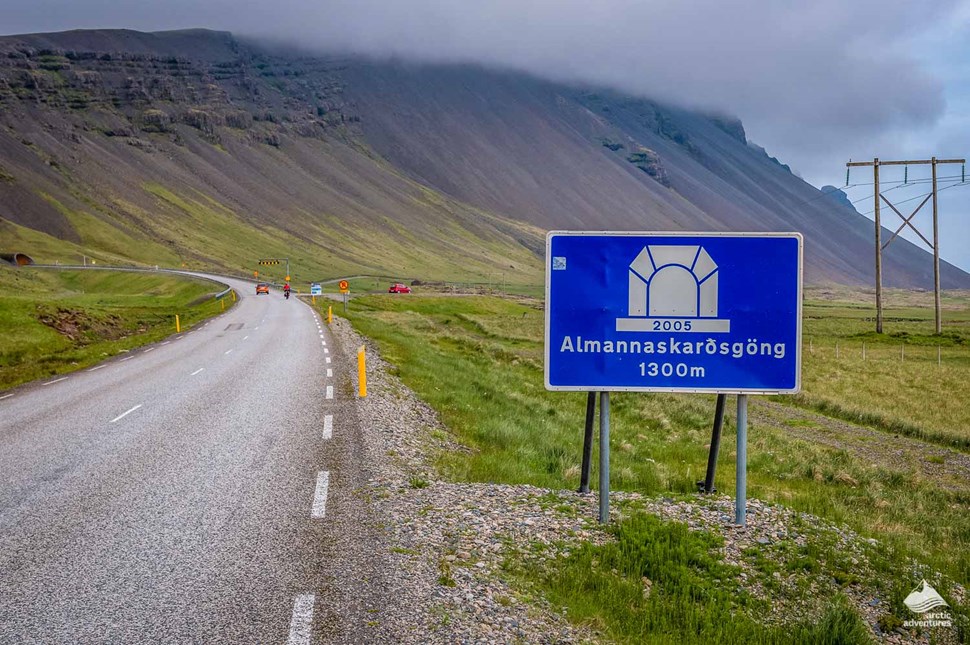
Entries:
{"x":673,"y":312}
{"x":604,"y":457}
{"x":344,"y":289}
{"x":707,"y":486}
{"x":587,"y":442}
{"x":741,"y":477}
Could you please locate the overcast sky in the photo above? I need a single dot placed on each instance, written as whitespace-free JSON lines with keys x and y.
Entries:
{"x":815,"y":83}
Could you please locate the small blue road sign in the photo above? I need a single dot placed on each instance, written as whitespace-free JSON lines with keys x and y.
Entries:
{"x":315,"y":289}
{"x":673,"y":312}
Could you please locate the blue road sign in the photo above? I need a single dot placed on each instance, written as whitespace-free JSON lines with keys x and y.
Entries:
{"x":315,"y":289}
{"x":673,"y":312}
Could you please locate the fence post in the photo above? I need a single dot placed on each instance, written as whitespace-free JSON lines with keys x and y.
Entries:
{"x":178,"y":327}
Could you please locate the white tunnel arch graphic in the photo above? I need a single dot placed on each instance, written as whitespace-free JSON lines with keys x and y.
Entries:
{"x":679,"y":281}
{"x":673,"y":282}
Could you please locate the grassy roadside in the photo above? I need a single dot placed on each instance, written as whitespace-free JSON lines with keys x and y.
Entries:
{"x":60,"y":321}
{"x":364,"y":285}
{"x":659,"y":582}
{"x":478,"y":362}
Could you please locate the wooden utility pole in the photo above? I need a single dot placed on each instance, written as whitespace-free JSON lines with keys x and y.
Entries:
{"x":936,"y":256}
{"x":907,"y":221}
{"x":876,"y":193}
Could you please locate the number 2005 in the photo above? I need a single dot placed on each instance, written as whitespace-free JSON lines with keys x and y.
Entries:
{"x":671,"y":325}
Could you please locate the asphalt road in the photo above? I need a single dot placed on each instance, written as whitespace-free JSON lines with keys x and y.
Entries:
{"x":177,"y":494}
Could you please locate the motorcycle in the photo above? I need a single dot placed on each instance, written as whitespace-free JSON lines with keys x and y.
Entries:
{"x":286,"y":294}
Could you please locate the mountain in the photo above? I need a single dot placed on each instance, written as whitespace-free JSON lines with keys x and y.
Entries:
{"x":199,"y":148}
{"x":838,"y":196}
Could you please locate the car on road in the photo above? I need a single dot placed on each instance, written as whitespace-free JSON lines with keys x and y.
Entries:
{"x":262,"y":287}
{"x":397,"y":287}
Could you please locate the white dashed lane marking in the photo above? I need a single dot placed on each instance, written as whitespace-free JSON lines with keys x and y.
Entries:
{"x":228,"y":351}
{"x":126,"y":359}
{"x":94,"y":369}
{"x":5,"y":396}
{"x":197,"y":371}
{"x":329,"y":391}
{"x":326,"y":351}
{"x":328,"y":359}
{"x":150,"y":349}
{"x":166,"y":342}
{"x":320,"y":496}
{"x":302,"y":621}
{"x":329,"y":373}
{"x":328,"y":426}
{"x":55,"y":381}
{"x":124,"y":414}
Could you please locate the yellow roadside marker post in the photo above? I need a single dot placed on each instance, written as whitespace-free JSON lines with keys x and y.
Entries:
{"x":362,"y":372}
{"x":178,"y":328}
{"x":234,"y":295}
{"x":329,"y":314}
{"x":223,"y":304}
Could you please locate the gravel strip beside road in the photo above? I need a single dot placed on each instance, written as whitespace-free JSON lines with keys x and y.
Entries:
{"x":444,"y":541}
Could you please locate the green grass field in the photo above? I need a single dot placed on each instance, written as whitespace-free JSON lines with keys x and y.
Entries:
{"x":59,"y":321}
{"x":907,"y":380}
{"x":369,"y":285}
{"x":478,"y":362}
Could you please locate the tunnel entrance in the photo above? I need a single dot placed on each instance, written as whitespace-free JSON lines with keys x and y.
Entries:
{"x":17,"y":259}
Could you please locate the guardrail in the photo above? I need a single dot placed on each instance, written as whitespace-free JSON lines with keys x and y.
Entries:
{"x":136,"y":269}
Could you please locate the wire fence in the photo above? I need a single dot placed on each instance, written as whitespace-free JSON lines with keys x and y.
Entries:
{"x":882,"y":352}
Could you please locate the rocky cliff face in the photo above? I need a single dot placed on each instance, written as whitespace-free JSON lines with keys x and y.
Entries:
{"x":198,"y":148}
{"x":132,"y":92}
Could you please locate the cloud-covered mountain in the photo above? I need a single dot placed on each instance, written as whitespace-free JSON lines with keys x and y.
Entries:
{"x":197,"y":147}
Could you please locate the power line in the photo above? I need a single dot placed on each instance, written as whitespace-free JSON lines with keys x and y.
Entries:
{"x":907,"y":220}
{"x":913,"y":199}
{"x":901,"y":181}
{"x":902,"y":184}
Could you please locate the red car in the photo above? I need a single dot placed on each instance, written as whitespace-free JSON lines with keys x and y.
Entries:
{"x":397,"y":287}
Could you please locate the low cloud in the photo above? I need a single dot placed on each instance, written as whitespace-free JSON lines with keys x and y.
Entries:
{"x":804,"y":76}
{"x":787,"y":68}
